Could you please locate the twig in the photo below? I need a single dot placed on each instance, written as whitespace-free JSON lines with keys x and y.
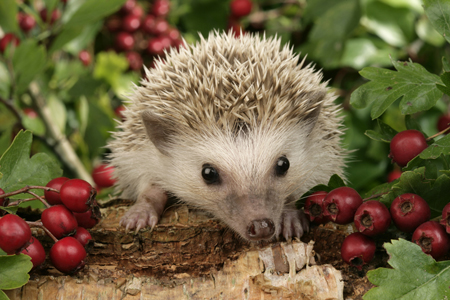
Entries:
{"x":40,"y":225}
{"x":62,"y":145}
{"x":438,"y":134}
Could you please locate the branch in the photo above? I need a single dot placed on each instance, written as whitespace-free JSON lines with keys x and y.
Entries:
{"x":62,"y":145}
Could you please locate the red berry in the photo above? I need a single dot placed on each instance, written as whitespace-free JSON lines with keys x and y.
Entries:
{"x":83,"y":236}
{"x":241,"y":8}
{"x":53,"y":198}
{"x":357,"y":249}
{"x":77,"y":195}
{"x":124,"y":41}
{"x":134,"y":60}
{"x":406,"y":145}
{"x":56,"y":14}
{"x":35,"y":251}
{"x":31,"y":113}
{"x":86,"y":220}
{"x":119,"y":111}
{"x":314,"y":207}
{"x":156,"y":46}
{"x":409,"y":211}
{"x":67,"y":255}
{"x":131,"y":23}
{"x":173,"y":34}
{"x":372,"y":218}
{"x":14,"y":234}
{"x":161,"y":27}
{"x":393,"y":175}
{"x":445,"y":220}
{"x":85,"y":57}
{"x":432,"y":238}
{"x":7,"y":39}
{"x":444,"y":122}
{"x":341,"y":204}
{"x":137,"y":11}
{"x":148,"y":25}
{"x":26,"y":22}
{"x":236,"y":28}
{"x":102,"y":175}
{"x":59,"y":221}
{"x":161,"y":8}
{"x":128,"y":6}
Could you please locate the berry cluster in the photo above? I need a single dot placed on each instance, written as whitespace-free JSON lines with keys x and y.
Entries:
{"x":409,"y":213}
{"x":71,"y":208}
{"x":142,"y":35}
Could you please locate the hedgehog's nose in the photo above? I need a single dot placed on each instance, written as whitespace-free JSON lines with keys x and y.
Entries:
{"x":260,"y":229}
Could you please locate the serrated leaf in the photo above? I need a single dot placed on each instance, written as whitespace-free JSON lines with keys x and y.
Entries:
{"x":19,"y":170}
{"x":28,"y":61}
{"x":415,"y":275}
{"x":438,"y":12}
{"x":14,"y":271}
{"x":411,"y":81}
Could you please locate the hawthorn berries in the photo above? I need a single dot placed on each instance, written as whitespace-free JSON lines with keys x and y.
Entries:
{"x":14,"y":234}
{"x":357,"y":249}
{"x":372,"y":218}
{"x":341,"y":204}
{"x":432,"y":238}
{"x":406,"y":145}
{"x":67,"y":255}
{"x":409,"y":211}
{"x":77,"y":195}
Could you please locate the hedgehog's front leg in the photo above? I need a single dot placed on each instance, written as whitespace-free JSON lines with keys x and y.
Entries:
{"x":293,"y":223}
{"x":147,"y":210}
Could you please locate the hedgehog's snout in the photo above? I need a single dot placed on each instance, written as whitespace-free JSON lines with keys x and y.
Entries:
{"x":260,"y":229}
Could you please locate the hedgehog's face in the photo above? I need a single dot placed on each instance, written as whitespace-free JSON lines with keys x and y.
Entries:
{"x":243,"y":179}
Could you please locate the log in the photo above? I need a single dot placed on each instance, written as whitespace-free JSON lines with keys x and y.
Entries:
{"x":189,"y":255}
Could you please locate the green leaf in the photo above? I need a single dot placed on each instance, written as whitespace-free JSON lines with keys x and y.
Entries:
{"x":414,"y":275}
{"x":109,"y":67}
{"x":34,"y":124}
{"x":330,"y":31}
{"x":14,"y":271}
{"x":413,"y":82}
{"x":412,"y":123}
{"x":19,"y":170}
{"x":438,"y":12}
{"x":86,"y":12}
{"x":362,"y":52}
{"x":445,"y":64}
{"x":197,"y":21}
{"x":67,"y":34}
{"x":8,"y":14}
{"x":28,"y":61}
{"x":385,"y":134}
{"x":445,"y":77}
{"x":441,"y":146}
{"x":427,"y":33}
{"x":392,"y":24}
{"x":3,"y":296}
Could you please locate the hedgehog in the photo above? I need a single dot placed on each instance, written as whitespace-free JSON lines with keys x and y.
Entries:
{"x":235,"y":126}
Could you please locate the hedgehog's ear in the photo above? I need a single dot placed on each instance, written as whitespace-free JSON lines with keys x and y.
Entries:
{"x":157,"y":131}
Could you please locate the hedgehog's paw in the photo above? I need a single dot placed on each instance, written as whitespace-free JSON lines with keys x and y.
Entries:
{"x":293,"y":224}
{"x":140,"y":216}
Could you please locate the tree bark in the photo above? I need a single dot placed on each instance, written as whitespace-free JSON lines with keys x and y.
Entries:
{"x":187,"y":256}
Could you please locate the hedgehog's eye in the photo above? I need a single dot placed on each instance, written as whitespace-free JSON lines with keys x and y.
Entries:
{"x":282,"y":166}
{"x":210,"y":175}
